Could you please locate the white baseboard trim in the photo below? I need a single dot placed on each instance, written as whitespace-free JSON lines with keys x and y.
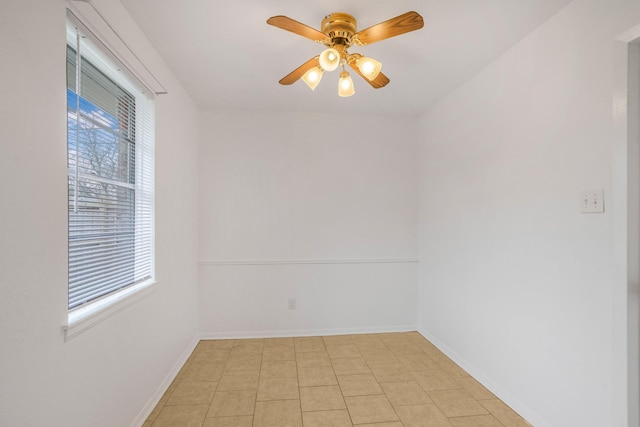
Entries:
{"x":303,"y":332}
{"x":524,"y":410}
{"x":153,"y":401}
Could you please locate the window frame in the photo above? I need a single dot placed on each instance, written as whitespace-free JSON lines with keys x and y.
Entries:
{"x":89,"y":313}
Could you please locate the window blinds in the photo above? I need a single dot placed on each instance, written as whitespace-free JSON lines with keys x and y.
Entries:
{"x":110,"y":174}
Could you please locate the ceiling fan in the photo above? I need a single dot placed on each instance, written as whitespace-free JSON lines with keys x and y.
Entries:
{"x":338,"y":33}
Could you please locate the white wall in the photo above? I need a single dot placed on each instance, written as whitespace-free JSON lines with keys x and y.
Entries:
{"x":515,"y":283}
{"x":109,"y":375}
{"x":316,"y":208}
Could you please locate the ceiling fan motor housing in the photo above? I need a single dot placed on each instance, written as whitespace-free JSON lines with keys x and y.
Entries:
{"x":340,"y":27}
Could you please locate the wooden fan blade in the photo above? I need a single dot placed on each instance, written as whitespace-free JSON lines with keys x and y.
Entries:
{"x":293,"y":76}
{"x":404,"y":23}
{"x":296,"y":27}
{"x":377,"y":83}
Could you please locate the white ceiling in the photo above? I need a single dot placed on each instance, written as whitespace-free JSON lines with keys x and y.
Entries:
{"x":228,"y":58}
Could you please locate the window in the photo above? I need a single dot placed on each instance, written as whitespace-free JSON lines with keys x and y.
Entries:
{"x":110,"y":174}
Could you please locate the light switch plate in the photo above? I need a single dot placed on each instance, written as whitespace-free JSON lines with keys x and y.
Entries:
{"x":592,"y":201}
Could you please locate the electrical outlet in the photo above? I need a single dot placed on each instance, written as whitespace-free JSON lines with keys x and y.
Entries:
{"x":292,"y":303}
{"x":592,"y":201}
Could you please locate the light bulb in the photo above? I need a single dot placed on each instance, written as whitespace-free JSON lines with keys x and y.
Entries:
{"x":369,"y":67}
{"x":312,"y":77}
{"x":329,"y":59}
{"x":345,"y":85}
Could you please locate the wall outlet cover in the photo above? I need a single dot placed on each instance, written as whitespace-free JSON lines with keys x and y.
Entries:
{"x":592,"y":201}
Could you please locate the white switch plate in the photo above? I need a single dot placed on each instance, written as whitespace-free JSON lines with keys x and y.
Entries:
{"x":592,"y":201}
{"x":292,"y":303}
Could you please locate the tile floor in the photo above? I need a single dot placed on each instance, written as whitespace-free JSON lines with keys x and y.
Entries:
{"x":373,"y":380}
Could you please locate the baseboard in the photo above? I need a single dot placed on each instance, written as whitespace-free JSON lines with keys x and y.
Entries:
{"x":303,"y":332}
{"x":524,"y":410}
{"x":153,"y":401}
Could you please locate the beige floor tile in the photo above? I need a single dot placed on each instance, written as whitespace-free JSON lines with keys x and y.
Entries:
{"x":279,"y":369}
{"x":477,"y":390}
{"x":476,"y":421}
{"x":461,"y":408}
{"x":213,"y":355}
{"x":370,"y":340}
{"x":211,"y":352}
{"x":378,"y":356}
{"x":327,"y":419}
{"x":422,"y":416}
{"x":405,"y":393}
{"x":391,"y":424}
{"x":242,"y":421}
{"x":338,"y":339}
{"x":183,"y":370}
{"x":247,"y":347}
{"x":206,"y":345}
{"x":231,"y":381}
{"x":232,"y":403}
{"x":342,"y":351}
{"x":359,"y":385}
{"x":439,"y":396}
{"x":395,"y":339}
{"x":435,"y":380}
{"x":156,"y":411}
{"x":312,"y":359}
{"x":203,"y":372}
{"x":168,"y":393}
{"x":404,"y":349}
{"x":354,"y":365}
{"x":278,"y":353}
{"x":452,"y":369}
{"x":183,"y":416}
{"x":305,"y":344}
{"x":370,"y":409}
{"x":504,"y":414}
{"x":272,"y":381}
{"x":433,"y":353}
{"x":147,"y":424}
{"x":315,"y":376}
{"x":244,"y":362}
{"x":321,"y":398}
{"x":278,"y":389}
{"x":414,"y":335}
{"x":243,"y":351}
{"x":425,"y":347}
{"x":418,"y":362}
{"x":278,"y":413}
{"x":191,"y":393}
{"x":280,"y":343}
{"x":370,"y":345}
{"x":390,"y":372}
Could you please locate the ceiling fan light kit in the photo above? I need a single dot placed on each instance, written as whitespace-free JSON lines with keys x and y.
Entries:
{"x":345,"y":85}
{"x":312,"y":77}
{"x":339,"y":33}
{"x":369,"y":67}
{"x":329,"y":59}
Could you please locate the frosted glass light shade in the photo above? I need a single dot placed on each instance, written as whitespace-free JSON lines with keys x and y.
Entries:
{"x":369,"y":67}
{"x":329,"y":59}
{"x":345,"y":85}
{"x":313,"y":77}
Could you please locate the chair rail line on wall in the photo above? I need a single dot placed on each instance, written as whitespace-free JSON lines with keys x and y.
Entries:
{"x":213,"y":263}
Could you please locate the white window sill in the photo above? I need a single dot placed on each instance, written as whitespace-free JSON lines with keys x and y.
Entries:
{"x":92,"y":314}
